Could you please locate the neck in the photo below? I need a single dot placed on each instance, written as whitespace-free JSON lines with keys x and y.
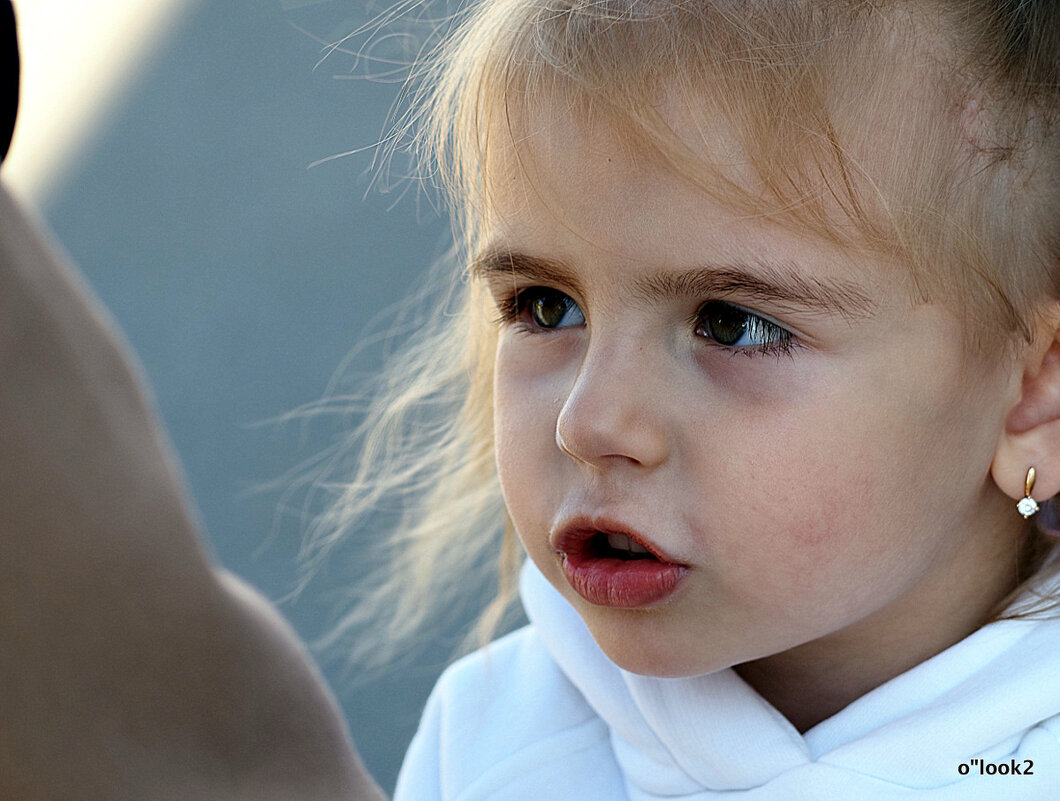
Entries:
{"x":813,"y":681}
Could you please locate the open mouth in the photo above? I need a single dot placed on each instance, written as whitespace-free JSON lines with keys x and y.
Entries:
{"x":584,"y":544}
{"x":602,"y":545}
{"x":615,"y":568}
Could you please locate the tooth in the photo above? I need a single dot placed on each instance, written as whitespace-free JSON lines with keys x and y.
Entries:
{"x":637,"y":548}
{"x":620,"y":542}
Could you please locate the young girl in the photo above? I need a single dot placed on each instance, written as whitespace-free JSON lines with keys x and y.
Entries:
{"x":759,"y":344}
{"x":758,"y":356}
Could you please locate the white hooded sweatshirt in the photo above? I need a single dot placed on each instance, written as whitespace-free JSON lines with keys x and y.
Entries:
{"x":543,"y":714}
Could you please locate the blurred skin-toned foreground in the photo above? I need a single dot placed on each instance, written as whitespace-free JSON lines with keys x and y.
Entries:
{"x":132,"y":668}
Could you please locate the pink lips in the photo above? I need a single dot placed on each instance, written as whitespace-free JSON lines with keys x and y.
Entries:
{"x":605,"y":576}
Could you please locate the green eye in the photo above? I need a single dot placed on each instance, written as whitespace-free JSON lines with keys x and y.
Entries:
{"x":737,"y":328}
{"x":726,"y":324}
{"x":550,"y":308}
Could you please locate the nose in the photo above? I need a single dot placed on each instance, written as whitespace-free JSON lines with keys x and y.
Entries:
{"x":615,"y":410}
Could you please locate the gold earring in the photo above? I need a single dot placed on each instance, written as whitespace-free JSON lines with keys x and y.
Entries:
{"x":1027,"y":506}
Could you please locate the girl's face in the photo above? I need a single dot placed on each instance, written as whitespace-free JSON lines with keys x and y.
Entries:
{"x":802,"y":449}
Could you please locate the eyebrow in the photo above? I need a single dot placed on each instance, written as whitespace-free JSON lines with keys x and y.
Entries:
{"x":775,"y":282}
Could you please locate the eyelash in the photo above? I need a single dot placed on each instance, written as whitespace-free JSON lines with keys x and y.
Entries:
{"x":515,"y":308}
{"x":781,"y":341}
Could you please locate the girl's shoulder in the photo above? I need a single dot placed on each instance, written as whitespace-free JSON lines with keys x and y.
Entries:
{"x":483,"y":733}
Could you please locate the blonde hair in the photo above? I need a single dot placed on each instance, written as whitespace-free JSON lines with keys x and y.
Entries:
{"x":923,"y":130}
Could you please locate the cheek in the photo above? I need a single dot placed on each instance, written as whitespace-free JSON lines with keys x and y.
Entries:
{"x":832,"y":492}
{"x":526,"y":404}
{"x":798,"y":516}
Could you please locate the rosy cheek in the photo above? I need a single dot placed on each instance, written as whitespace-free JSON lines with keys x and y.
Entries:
{"x":808,"y":503}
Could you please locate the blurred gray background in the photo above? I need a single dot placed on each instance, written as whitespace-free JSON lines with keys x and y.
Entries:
{"x":243,"y":278}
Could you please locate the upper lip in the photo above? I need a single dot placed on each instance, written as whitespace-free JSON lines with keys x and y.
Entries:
{"x":573,"y":533}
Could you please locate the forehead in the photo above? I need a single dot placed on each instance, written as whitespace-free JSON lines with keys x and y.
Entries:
{"x":572,"y":189}
{"x":830,"y":144}
{"x":859,"y":136}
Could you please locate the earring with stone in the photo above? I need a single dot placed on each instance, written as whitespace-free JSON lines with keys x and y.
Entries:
{"x":1027,"y":506}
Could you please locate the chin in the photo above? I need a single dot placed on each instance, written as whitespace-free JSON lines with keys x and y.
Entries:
{"x":648,"y":652}
{"x":662,"y":666}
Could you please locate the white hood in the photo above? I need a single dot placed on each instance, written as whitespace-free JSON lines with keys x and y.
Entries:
{"x":993,"y":697}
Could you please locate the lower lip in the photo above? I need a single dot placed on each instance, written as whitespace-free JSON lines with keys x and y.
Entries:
{"x":622,"y":584}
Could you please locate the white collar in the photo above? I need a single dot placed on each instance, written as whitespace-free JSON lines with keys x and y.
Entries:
{"x":679,"y":737}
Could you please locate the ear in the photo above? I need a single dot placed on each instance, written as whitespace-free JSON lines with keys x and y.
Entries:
{"x":1032,"y":429}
